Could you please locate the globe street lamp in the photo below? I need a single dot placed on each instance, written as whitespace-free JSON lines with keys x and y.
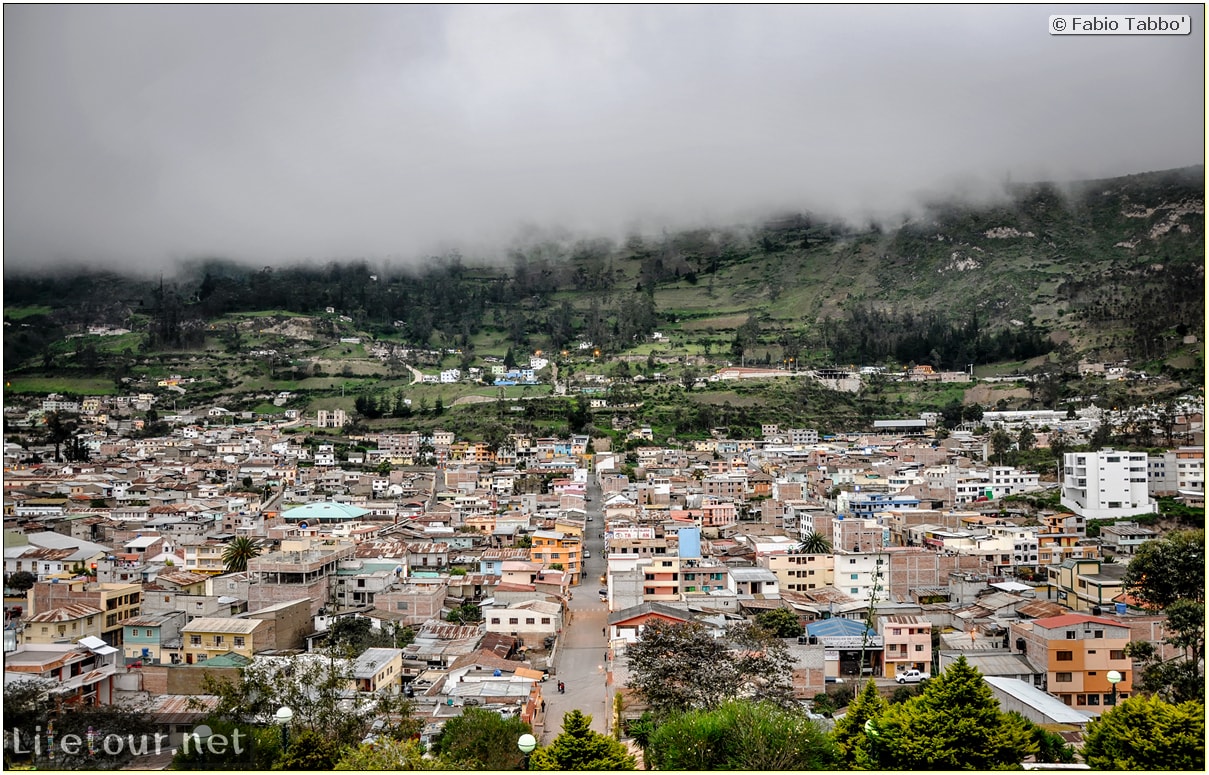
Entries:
{"x":284,"y":716}
{"x":1114,"y":678}
{"x":526,"y":743}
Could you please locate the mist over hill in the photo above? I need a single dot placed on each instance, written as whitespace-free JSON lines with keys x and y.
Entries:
{"x":1106,"y":267}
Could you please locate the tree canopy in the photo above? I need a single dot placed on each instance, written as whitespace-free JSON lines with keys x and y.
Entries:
{"x":1168,"y":569}
{"x":682,"y":666}
{"x":954,"y":724}
{"x":483,"y":740}
{"x":578,"y":747}
{"x":1147,"y":733}
{"x":741,"y":735}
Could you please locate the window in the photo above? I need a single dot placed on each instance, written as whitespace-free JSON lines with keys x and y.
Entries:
{"x":495,"y":620}
{"x":919,"y":647}
{"x":855,"y":591}
{"x":1093,"y":699}
{"x":854,"y":576}
{"x":530,"y":620}
{"x":1064,"y":678}
{"x":1066,"y":656}
{"x":1070,"y":634}
{"x":1116,"y":654}
{"x":1098,"y":634}
{"x":239,"y":641}
{"x":401,"y":606}
{"x":513,"y":620}
{"x":852,"y":562}
{"x":545,"y":620}
{"x":194,"y":640}
{"x":218,"y":640}
{"x":135,"y":633}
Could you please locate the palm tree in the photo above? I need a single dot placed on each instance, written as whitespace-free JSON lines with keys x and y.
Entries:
{"x":238,"y":552}
{"x":815,"y":543}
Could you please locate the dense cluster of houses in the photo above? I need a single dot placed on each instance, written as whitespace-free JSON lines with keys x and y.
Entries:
{"x":923,"y":559}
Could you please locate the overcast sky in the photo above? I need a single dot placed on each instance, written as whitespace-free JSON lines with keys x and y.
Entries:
{"x":142,"y":135}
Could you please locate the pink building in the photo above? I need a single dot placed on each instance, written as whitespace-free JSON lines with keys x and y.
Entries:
{"x":908,"y":644}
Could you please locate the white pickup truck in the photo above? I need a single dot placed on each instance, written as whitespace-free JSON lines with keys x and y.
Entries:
{"x":912,"y":677}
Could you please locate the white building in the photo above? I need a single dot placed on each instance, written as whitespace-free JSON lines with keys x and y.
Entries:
{"x":1106,"y":484}
{"x":449,"y":376}
{"x":335,"y":418}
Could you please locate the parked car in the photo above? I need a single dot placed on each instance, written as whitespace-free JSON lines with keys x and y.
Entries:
{"x":912,"y":677}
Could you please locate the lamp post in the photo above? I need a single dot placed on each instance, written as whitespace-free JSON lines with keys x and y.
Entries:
{"x":526,"y":743}
{"x":1114,"y":678}
{"x":283,"y":717}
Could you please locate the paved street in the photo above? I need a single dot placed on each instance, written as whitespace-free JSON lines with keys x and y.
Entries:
{"x":580,"y":661}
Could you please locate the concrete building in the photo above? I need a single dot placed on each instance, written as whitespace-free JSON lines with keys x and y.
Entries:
{"x":1106,"y":485}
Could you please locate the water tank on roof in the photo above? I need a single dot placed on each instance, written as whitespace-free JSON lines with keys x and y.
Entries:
{"x":1020,"y":644}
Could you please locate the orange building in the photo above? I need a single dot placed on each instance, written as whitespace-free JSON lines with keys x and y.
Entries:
{"x":1077,"y":652}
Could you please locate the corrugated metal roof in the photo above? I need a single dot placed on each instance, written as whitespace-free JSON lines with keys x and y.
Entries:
{"x":1051,"y":706}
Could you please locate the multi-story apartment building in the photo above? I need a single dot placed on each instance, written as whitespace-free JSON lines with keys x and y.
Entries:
{"x":1106,"y":485}
{"x":117,"y":602}
{"x":552,"y":547}
{"x":862,"y":574}
{"x":801,"y":572}
{"x":1077,"y":651}
{"x":1176,"y":471}
{"x":205,"y":557}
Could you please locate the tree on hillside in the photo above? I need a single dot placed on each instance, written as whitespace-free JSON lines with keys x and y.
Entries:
{"x":851,"y":740}
{"x":578,"y":747}
{"x":241,"y":549}
{"x":741,"y":735}
{"x":482,"y":740}
{"x":1147,"y":733}
{"x":954,"y":724}
{"x":1168,"y":569}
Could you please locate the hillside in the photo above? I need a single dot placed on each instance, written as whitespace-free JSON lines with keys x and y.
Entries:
{"x":1108,"y":270}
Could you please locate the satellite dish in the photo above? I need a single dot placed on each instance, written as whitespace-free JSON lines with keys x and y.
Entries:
{"x":302,"y":526}
{"x":398,"y":569}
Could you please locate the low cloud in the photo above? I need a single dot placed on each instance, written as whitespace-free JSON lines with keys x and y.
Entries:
{"x":140,"y":136}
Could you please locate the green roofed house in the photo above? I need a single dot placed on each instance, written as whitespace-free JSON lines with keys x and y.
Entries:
{"x":327,"y":512}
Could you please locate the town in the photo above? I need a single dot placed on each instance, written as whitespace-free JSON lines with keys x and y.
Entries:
{"x":478,"y":576}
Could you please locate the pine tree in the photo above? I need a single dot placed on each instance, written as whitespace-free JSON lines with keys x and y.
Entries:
{"x":577,"y":747}
{"x":954,"y":724}
{"x":849,"y":732}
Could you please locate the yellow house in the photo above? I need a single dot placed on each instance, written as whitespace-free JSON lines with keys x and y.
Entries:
{"x":379,"y":670}
{"x":1086,"y":585}
{"x":63,"y":624}
{"x":211,"y":636}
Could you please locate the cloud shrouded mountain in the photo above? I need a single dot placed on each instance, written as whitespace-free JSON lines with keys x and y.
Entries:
{"x":138,"y":136}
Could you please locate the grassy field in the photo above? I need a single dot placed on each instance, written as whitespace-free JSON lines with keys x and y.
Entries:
{"x":20,"y":313}
{"x":85,"y":386}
